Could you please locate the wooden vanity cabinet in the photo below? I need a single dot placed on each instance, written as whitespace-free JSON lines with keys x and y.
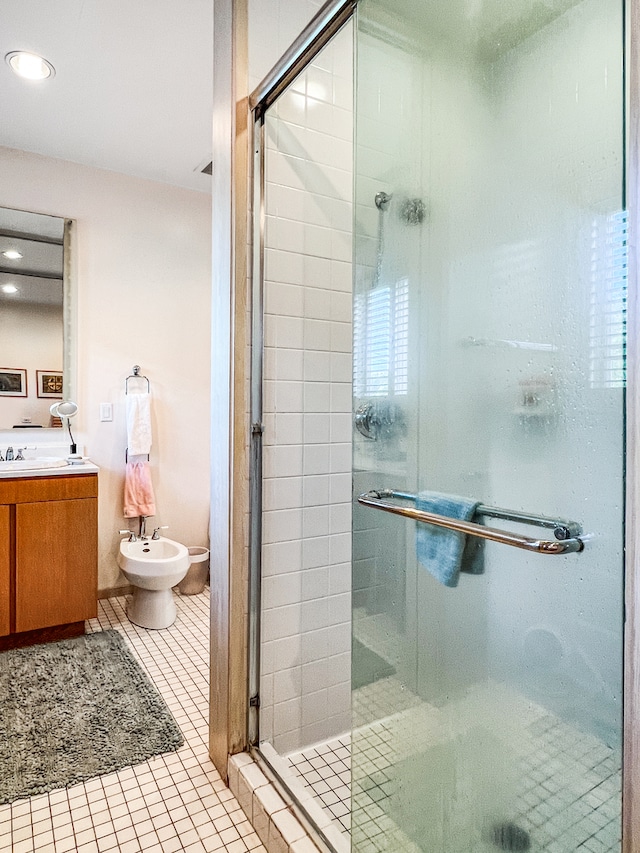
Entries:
{"x":49,"y":562}
{"x":5,"y":570}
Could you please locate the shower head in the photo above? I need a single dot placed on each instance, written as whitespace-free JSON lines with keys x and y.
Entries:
{"x":413,"y":211}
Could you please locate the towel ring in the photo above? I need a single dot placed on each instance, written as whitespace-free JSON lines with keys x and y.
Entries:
{"x":126,"y":455}
{"x":136,"y":375}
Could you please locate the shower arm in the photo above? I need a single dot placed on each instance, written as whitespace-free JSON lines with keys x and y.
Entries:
{"x":562,"y":529}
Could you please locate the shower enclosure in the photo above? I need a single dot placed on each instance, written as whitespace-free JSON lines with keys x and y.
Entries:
{"x":439,"y":320}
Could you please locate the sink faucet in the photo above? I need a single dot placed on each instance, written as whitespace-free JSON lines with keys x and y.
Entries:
{"x":9,"y":454}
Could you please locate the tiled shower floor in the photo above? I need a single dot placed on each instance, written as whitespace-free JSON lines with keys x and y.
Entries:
{"x":566,"y":795}
{"x":326,"y":770}
{"x":172,"y":803}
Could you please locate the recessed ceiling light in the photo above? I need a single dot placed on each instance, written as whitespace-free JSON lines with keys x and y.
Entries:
{"x":29,"y":65}
{"x":9,"y":288}
{"x":12,"y":254}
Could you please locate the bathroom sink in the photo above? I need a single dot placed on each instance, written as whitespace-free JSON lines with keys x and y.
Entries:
{"x":33,"y":464}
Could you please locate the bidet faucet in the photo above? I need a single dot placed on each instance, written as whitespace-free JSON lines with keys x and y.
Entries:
{"x":132,"y":536}
{"x":156,"y":532}
{"x":142,"y":532}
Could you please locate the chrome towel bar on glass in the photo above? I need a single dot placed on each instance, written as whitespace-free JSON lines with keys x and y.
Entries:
{"x":566,"y":532}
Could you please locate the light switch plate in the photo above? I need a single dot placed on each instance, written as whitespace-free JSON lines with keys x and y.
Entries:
{"x":106,"y":412}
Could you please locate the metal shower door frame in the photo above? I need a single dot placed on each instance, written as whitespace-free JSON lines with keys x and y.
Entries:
{"x":631,"y":648}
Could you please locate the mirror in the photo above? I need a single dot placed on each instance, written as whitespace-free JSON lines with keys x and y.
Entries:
{"x":34,"y":260}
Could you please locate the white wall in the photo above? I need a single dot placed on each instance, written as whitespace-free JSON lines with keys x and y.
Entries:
{"x":142,"y":267}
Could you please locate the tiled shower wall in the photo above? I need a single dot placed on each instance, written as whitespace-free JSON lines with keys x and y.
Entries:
{"x":387,"y":251}
{"x":306,"y":600}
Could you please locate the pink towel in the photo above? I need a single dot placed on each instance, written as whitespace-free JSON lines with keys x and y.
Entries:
{"x":139,"y":498}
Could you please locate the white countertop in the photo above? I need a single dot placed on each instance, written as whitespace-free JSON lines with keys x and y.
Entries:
{"x":85,"y":467}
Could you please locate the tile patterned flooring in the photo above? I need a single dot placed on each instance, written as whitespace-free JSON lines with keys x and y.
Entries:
{"x":560,"y":785}
{"x":174,"y":802}
{"x":326,"y":770}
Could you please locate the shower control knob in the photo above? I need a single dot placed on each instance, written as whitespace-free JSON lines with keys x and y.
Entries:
{"x":377,"y":420}
{"x":366,"y":421}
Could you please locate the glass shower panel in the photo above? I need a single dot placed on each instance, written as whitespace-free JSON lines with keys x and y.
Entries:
{"x":489,"y":320}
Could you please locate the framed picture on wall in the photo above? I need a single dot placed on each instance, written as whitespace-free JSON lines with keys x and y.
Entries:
{"x":49,"y":384}
{"x":13,"y":382}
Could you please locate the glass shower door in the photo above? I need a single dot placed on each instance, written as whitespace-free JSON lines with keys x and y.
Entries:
{"x":489,"y":319}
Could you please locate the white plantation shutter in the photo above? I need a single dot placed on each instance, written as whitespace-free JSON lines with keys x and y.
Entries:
{"x":380,"y":340}
{"x":608,"y":308}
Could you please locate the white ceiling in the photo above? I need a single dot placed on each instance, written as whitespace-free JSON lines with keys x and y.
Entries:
{"x":132,"y":91}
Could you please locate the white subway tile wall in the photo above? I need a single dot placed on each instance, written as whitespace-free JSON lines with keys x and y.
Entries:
{"x":306,"y":604}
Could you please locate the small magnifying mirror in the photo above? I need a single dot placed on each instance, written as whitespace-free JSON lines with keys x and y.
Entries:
{"x":66,"y":409}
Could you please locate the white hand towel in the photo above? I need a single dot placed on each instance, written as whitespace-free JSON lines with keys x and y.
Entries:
{"x":138,"y":424}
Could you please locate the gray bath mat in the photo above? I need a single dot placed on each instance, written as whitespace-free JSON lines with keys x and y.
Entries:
{"x":76,"y":709}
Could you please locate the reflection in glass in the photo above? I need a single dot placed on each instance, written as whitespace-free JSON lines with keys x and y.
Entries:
{"x":32,"y":257}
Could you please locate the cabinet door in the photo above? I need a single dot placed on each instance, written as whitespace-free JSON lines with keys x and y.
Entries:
{"x":5,"y":570}
{"x":56,"y":563}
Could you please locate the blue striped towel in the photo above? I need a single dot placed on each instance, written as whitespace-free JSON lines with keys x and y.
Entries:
{"x":446,"y":553}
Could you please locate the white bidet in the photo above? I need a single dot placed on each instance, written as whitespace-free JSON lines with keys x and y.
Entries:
{"x":153,"y":567}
